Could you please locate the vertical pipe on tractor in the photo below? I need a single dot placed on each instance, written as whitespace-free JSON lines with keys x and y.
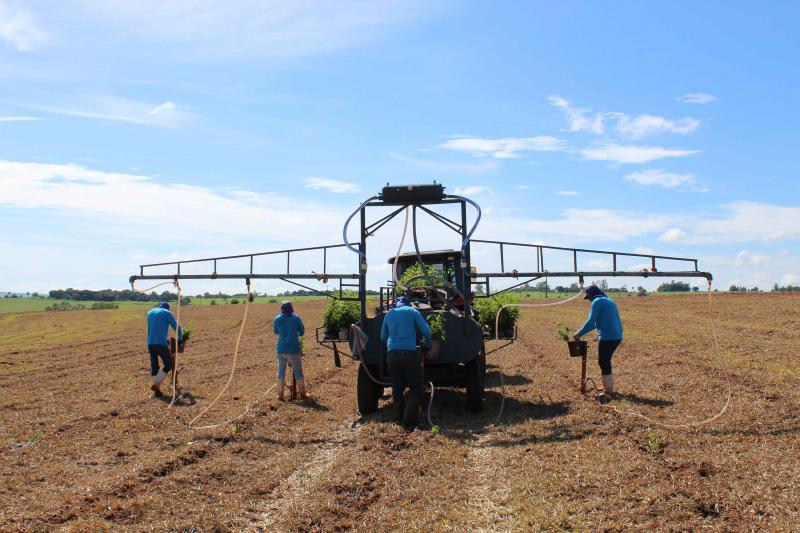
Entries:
{"x":614,"y":262}
{"x":502,"y":262}
{"x":287,"y":262}
{"x":362,"y":279}
{"x":251,"y":264}
{"x":325,"y":260}
{"x":575,"y":260}
{"x":465,"y":266}
{"x":653,"y":264}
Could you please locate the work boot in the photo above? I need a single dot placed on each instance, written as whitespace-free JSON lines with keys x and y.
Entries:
{"x":412,"y":412}
{"x":157,"y":379}
{"x":280,"y":385}
{"x":301,"y":389}
{"x":608,"y":384}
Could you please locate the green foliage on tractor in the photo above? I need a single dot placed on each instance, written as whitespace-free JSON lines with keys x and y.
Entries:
{"x":488,"y":307}
{"x":340,"y":314}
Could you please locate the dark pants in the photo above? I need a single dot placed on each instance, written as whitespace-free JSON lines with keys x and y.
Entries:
{"x":404,"y":366}
{"x":156,"y":351}
{"x":605,"y":351}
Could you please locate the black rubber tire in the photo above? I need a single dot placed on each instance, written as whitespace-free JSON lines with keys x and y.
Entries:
{"x":367,"y":392}
{"x":474,"y":386}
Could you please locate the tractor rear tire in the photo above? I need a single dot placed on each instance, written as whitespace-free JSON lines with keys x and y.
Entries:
{"x":474,"y":386}
{"x":367,"y":392}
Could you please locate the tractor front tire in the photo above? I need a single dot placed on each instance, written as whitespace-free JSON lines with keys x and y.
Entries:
{"x":474,"y":386}
{"x":367,"y":392}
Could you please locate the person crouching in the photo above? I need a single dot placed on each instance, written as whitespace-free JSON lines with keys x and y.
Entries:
{"x":289,"y":328}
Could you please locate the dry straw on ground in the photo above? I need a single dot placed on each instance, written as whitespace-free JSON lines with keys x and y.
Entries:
{"x":84,"y":447}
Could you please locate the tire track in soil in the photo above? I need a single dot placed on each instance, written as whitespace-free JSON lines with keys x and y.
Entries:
{"x":301,"y":482}
{"x":490,"y":496}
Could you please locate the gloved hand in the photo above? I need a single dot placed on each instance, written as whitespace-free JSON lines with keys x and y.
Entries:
{"x":576,"y":337}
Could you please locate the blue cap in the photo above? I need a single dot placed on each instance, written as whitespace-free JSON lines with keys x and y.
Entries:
{"x":593,"y":291}
{"x":401,"y":301}
{"x":287,"y":308}
{"x":164,"y":305}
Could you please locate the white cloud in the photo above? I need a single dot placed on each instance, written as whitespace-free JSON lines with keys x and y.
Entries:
{"x":582,"y":119}
{"x":662,"y":178}
{"x":334,"y":186}
{"x":673,"y":235}
{"x":19,"y":27}
{"x":472,"y":190}
{"x":790,"y":279}
{"x":630,"y":154}
{"x":133,"y":206}
{"x":645,"y":125}
{"x":744,"y":258}
{"x":568,"y":193}
{"x":116,"y":109}
{"x":521,"y":187}
{"x":478,"y":167}
{"x":697,"y":98}
{"x":579,"y":118}
{"x":737,"y":222}
{"x":504,"y":148}
{"x":18,"y":119}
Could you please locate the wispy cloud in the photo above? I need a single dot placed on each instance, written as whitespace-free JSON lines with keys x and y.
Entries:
{"x":504,"y":148}
{"x":580,"y":119}
{"x":334,"y":186}
{"x":628,"y":154}
{"x":245,"y":28}
{"x":19,"y":27}
{"x":646,"y":125}
{"x":736,"y":222}
{"x":18,"y":119}
{"x":661,"y":178}
{"x":473,"y":190}
{"x":568,"y":193}
{"x":697,"y":98}
{"x":635,"y":127}
{"x":166,"y":114}
{"x":123,"y":205}
{"x":479,"y":167}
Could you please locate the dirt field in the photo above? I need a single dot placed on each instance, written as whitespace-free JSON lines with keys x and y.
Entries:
{"x":85,"y":447}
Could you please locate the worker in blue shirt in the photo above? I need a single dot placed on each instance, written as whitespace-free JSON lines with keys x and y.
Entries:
{"x":604,"y":316}
{"x":289,"y":328}
{"x":400,"y":329}
{"x":159,"y":320}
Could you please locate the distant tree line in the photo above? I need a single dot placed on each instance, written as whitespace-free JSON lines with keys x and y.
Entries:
{"x":303,"y":292}
{"x":110,"y":295}
{"x":788,"y":288}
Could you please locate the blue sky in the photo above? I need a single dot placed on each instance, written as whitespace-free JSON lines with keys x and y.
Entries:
{"x":138,"y":132}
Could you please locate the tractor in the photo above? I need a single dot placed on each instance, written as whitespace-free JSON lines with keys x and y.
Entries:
{"x":441,"y":287}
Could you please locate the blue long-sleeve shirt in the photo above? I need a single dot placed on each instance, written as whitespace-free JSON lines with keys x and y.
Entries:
{"x":158,"y":323}
{"x":400,"y":327}
{"x":604,"y":316}
{"x":289,"y":329}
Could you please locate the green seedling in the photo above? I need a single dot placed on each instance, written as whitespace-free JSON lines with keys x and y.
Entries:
{"x":563,"y":332}
{"x":655,"y":442}
{"x":436,"y":322}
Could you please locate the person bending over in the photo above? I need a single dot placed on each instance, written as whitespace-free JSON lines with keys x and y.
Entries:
{"x":604,"y":316}
{"x":159,"y":320}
